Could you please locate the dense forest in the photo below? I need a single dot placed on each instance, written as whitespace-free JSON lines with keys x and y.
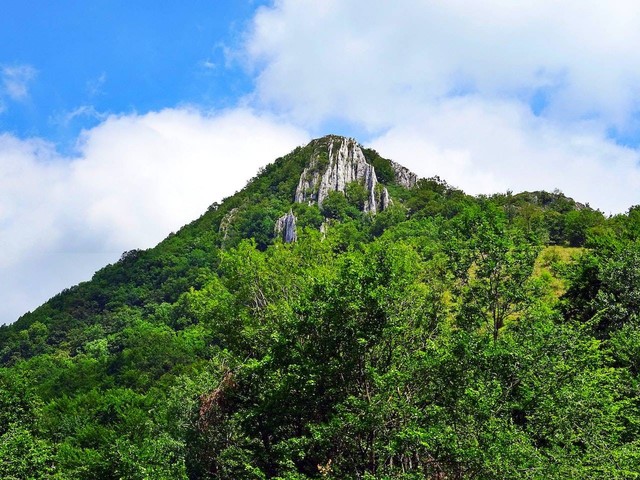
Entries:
{"x":437,"y":335}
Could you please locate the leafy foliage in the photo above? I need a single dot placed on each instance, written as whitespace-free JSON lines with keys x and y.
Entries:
{"x":430,"y":341}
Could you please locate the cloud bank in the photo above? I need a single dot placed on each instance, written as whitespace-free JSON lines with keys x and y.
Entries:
{"x":372,"y":60}
{"x":135,"y":179}
{"x":490,"y":95}
{"x":488,"y":147}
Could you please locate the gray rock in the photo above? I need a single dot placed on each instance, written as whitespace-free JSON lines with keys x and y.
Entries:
{"x":286,"y":227}
{"x":225,"y":223}
{"x":404,"y":176}
{"x":344,"y":163}
{"x":386,"y":199}
{"x":324,"y":227}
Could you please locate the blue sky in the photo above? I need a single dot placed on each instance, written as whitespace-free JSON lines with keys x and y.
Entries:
{"x":120,"y":121}
{"x":89,"y":59}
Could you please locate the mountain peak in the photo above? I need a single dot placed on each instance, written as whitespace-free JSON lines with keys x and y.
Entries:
{"x":338,"y":161}
{"x":331,"y":138}
{"x":335,"y":163}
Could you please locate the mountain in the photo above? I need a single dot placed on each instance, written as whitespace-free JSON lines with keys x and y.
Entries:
{"x":340,"y":317}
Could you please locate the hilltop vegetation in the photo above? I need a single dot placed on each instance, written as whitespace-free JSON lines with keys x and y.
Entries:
{"x":445,"y":337}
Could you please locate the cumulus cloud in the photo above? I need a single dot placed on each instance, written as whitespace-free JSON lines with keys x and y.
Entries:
{"x":150,"y":174}
{"x":489,"y":95}
{"x":374,"y":60}
{"x":484,"y":147}
{"x":16,"y":79}
{"x":135,"y":179}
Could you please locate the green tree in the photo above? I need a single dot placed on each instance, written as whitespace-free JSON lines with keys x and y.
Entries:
{"x":494,"y":268}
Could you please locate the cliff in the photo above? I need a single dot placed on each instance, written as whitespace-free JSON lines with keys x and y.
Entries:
{"x":335,"y":163}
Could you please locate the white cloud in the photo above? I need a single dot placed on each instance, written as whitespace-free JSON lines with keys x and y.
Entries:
{"x":452,"y":86}
{"x":488,"y":147}
{"x":136,"y":179}
{"x":83,"y":111}
{"x":16,"y":79}
{"x":374,"y":60}
{"x":146,"y":175}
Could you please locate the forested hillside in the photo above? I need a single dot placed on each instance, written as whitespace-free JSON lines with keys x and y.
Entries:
{"x":341,"y":318}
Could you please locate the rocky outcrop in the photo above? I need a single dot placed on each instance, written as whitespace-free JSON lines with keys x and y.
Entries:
{"x":286,"y":227}
{"x":324,"y":227}
{"x":332,"y":167}
{"x":386,"y":199}
{"x":403,"y":176}
{"x":225,"y":223}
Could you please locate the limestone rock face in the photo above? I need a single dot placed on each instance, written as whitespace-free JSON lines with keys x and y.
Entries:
{"x":286,"y":227}
{"x":333,"y":169}
{"x":225,"y":224}
{"x":404,"y":177}
{"x":386,"y":199}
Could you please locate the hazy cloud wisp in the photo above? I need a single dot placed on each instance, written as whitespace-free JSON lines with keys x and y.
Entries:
{"x":15,"y":81}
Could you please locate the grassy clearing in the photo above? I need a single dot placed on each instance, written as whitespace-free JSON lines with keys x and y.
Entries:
{"x":549,"y":266}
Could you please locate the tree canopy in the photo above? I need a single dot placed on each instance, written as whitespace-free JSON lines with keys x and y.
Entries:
{"x":447,"y":337}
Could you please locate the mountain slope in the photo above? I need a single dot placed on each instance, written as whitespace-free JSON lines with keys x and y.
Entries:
{"x":340,"y":318}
